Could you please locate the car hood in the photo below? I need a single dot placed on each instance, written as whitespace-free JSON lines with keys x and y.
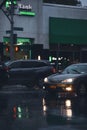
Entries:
{"x":60,"y":77}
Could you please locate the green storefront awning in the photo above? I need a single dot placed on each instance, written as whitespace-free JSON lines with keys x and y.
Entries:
{"x":67,"y":31}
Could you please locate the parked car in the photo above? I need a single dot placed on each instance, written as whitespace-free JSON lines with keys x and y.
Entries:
{"x":71,"y":81}
{"x":28,"y":72}
{"x":3,"y":75}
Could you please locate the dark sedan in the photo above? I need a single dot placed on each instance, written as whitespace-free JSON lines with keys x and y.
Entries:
{"x":73,"y":80}
{"x":28,"y":72}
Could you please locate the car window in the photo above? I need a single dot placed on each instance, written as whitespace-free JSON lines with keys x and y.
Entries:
{"x":14,"y":64}
{"x":75,"y":69}
{"x":25,"y":64}
{"x":29,"y":64}
{"x":82,"y":68}
{"x":32,"y":64}
{"x":40,"y":64}
{"x":71,"y":69}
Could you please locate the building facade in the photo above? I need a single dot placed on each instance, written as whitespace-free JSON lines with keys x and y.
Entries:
{"x":47,"y":30}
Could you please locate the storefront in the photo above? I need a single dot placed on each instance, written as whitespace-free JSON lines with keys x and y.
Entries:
{"x":23,"y":48}
{"x":68,"y":38}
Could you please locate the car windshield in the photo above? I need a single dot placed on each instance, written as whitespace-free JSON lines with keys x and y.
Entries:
{"x":75,"y":69}
{"x":82,"y":68}
{"x":7,"y":62}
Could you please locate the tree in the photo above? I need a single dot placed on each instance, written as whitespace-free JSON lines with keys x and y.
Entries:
{"x":64,"y":2}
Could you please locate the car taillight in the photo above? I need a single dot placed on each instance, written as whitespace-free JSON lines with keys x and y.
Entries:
{"x":53,"y":70}
{"x":6,"y":68}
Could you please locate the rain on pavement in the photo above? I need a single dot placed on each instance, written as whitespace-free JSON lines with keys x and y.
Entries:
{"x":26,"y":109}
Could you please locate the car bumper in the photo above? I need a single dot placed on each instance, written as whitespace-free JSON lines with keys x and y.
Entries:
{"x":62,"y":90}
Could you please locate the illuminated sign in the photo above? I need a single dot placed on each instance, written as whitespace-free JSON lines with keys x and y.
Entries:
{"x":25,"y":10}
{"x":27,"y":13}
{"x":24,"y":7}
{"x":19,"y":40}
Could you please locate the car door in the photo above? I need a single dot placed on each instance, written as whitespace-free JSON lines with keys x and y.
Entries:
{"x":42,"y":69}
{"x":15,"y":71}
{"x":27,"y":71}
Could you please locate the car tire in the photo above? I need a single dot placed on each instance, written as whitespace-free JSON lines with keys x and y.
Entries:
{"x":81,"y":90}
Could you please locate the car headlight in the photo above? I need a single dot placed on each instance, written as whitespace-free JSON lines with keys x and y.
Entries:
{"x":46,"y":80}
{"x":70,"y":80}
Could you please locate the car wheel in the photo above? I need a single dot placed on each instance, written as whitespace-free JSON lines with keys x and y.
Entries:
{"x":81,"y":91}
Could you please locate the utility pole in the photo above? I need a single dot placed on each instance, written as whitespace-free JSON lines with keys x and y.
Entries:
{"x":12,"y":31}
{"x":10,"y":15}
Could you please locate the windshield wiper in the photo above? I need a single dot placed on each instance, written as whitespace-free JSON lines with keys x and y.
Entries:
{"x":76,"y":71}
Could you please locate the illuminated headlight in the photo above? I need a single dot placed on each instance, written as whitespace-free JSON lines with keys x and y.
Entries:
{"x":46,"y":80}
{"x":68,"y":88}
{"x":70,"y":80}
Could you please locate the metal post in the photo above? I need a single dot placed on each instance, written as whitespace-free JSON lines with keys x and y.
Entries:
{"x":12,"y":32}
{"x":58,"y":51}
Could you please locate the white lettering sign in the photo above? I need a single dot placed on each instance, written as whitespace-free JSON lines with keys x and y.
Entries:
{"x":21,"y":6}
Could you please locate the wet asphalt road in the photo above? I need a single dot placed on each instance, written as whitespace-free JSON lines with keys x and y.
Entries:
{"x":32,"y":109}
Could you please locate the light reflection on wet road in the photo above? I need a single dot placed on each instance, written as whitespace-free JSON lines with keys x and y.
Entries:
{"x":23,"y":109}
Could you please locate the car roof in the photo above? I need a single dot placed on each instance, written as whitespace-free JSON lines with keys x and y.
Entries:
{"x":80,"y":64}
{"x":29,"y":60}
{"x":24,"y":60}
